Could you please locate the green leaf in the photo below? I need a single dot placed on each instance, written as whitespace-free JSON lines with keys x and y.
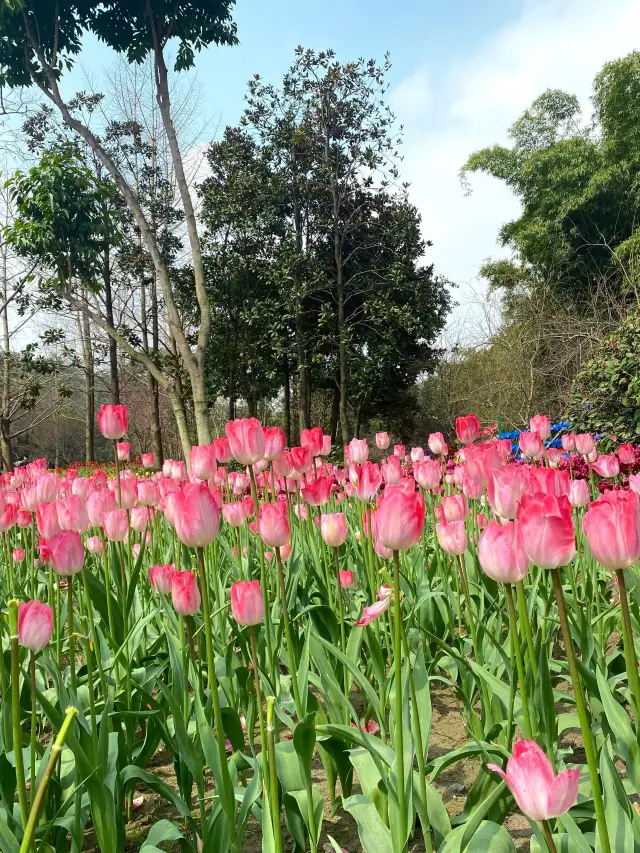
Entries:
{"x":488,"y":838}
{"x":161,"y":831}
{"x":374,"y":834}
{"x":156,"y":784}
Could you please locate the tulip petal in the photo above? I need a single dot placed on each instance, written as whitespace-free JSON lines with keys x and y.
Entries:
{"x":563,"y":793}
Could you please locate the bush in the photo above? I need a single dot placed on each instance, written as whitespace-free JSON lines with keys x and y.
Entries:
{"x":605,"y":395}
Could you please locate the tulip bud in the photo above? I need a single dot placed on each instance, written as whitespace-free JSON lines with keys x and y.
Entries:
{"x":123,"y":449}
{"x":185,"y":594}
{"x":113,"y":421}
{"x":247,"y":605}
{"x":333,"y":527}
{"x":35,"y":624}
{"x":161,"y":578}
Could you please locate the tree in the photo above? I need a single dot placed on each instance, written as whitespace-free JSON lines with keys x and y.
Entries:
{"x":41,"y":38}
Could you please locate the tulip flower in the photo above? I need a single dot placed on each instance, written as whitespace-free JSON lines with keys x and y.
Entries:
{"x":222,"y":450}
{"x":452,"y":537}
{"x":417,"y":454}
{"x":8,"y":517}
{"x":454,"y":507}
{"x":437,"y":444}
{"x":381,"y":550}
{"x":326,"y":445}
{"x":568,"y":442}
{"x":47,"y":489}
{"x":547,"y":529}
{"x":148,"y":493}
{"x":481,"y":520}
{"x":23,"y":518}
{"x":35,"y":624}
{"x":399,"y":518}
{"x":113,"y":421}
{"x":612,"y":527}
{"x":369,"y":480}
{"x":541,"y":425}
{"x":505,"y":487}
{"x":246,"y":440}
{"x":333,"y":527}
{"x":202,"y":461}
{"x":302,"y":459}
{"x":98,"y":504}
{"x":94,"y":545}
{"x":382,"y":440}
{"x":482,"y":459}
{"x":313,"y":439}
{"x":161,"y":578}
{"x":358,"y":450}
{"x":626,"y":454}
{"x":579,"y":493}
{"x":549,"y":481}
{"x":116,"y":525}
{"x":607,"y":465}
{"x":529,"y":776}
{"x":123,"y":449}
{"x":428,"y":474}
{"x":467,"y":429}
{"x":399,"y":450}
{"x":585,"y":444}
{"x":318,"y":492}
{"x":72,"y":514}
{"x":66,"y":552}
{"x":634,"y":483}
{"x":234,"y":513}
{"x":274,"y":443}
{"x":47,"y":519}
{"x":140,"y":518}
{"x":501,"y":553}
{"x":554,"y":456}
{"x":374,"y":611}
{"x":392,"y":471}
{"x":195,"y":515}
{"x":147,"y":460}
{"x":127,"y":495}
{"x":18,"y":555}
{"x":273,"y":524}
{"x":247,"y":605}
{"x":346,"y":579}
{"x":185,"y":594}
{"x":531,"y":444}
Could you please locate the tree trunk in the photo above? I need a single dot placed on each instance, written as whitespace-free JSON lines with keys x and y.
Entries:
{"x":335,"y":413}
{"x":5,"y":446}
{"x":356,"y":425}
{"x":156,"y":428}
{"x":84,"y":331}
{"x":287,"y":401}
{"x":5,"y":425}
{"x":303,"y":384}
{"x":156,"y":434}
{"x":342,"y":345}
{"x":181,"y":422}
{"x":113,"y":346}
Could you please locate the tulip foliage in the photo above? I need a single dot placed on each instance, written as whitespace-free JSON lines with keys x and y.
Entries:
{"x":268,"y":615}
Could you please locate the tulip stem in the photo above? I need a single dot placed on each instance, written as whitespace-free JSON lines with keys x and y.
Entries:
{"x":15,"y":711}
{"x":38,"y":802}
{"x":264,"y":586}
{"x":340,"y":609}
{"x":629,"y":648}
{"x":293,"y":666}
{"x":583,"y":714}
{"x":256,"y":681}
{"x":34,"y":725}
{"x":526,"y":623}
{"x":398,"y":740}
{"x":513,"y":619}
{"x":72,"y":650}
{"x":548,"y":837}
{"x":273,"y":776}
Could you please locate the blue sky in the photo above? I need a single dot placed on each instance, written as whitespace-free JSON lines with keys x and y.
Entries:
{"x":463,"y":71}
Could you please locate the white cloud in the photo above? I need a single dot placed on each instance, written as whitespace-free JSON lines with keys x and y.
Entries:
{"x":553,"y":44}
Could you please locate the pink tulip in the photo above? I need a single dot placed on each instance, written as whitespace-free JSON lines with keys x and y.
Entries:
{"x":392,"y":471}
{"x":529,"y":777}
{"x":94,"y":545}
{"x":116,"y":525}
{"x":452,"y":537}
{"x":234,"y":513}
{"x":35,"y":624}
{"x":634,"y":483}
{"x":47,"y":489}
{"x":554,"y":456}
{"x":195,"y":515}
{"x":333,"y":527}
{"x":301,"y":458}
{"x":222,"y":450}
{"x":123,"y":450}
{"x":579,"y":493}
{"x":417,"y":454}
{"x":382,"y":440}
{"x":113,"y":421}
{"x":547,"y":529}
{"x":313,"y":439}
{"x":23,"y":518}
{"x":482,"y":459}
{"x":246,"y":440}
{"x":606,"y":465}
{"x":454,"y":507}
{"x":481,"y":520}
{"x":285,"y":552}
{"x":626,"y":454}
{"x":202,"y":461}
{"x":273,"y":524}
{"x":358,"y":450}
{"x":505,"y":488}
{"x":467,"y":429}
{"x":140,"y":518}
{"x":428,"y":474}
{"x":18,"y":555}
{"x":399,"y":518}
{"x":346,"y":579}
{"x":531,"y":444}
{"x":541,"y":425}
{"x":247,"y":605}
{"x":98,"y":504}
{"x":318,"y":492}
{"x":568,"y":442}
{"x":501,"y":553}
{"x":161,"y":578}
{"x":381,"y":550}
{"x":399,"y":450}
{"x":472,"y":490}
{"x":585,"y":444}
{"x":82,"y":487}
{"x":326,"y":445}
{"x":274,"y":443}
{"x":147,"y":460}
{"x":148,"y":493}
{"x":8,"y":517}
{"x":283,"y":465}
{"x":437,"y":445}
{"x":47,"y":519}
{"x":301,"y":511}
{"x":185,"y":594}
{"x":548,"y":481}
{"x":66,"y":552}
{"x":612,"y":527}
{"x":374,"y":611}
{"x":72,"y":514}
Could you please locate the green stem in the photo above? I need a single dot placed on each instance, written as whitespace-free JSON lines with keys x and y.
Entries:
{"x":15,"y":711}
{"x":256,"y":681}
{"x":264,"y":586}
{"x":273,"y":776}
{"x":72,"y":650}
{"x":398,"y":740}
{"x":629,"y":648}
{"x":293,"y":664}
{"x":548,"y":837}
{"x":29,"y":833}
{"x":340,"y":608}
{"x":34,"y":726}
{"x":583,"y":714}
{"x":513,"y":620}
{"x":526,"y":623}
